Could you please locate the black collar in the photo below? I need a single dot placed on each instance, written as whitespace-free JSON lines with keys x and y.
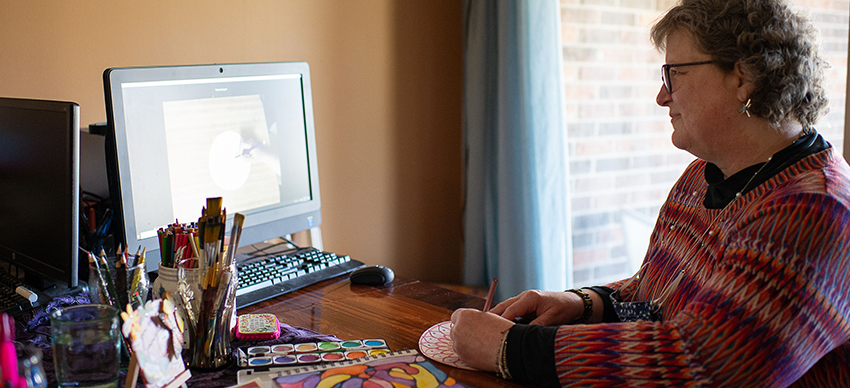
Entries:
{"x":721,"y":192}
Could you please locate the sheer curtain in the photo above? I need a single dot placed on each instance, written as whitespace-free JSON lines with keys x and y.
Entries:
{"x":516,"y":221}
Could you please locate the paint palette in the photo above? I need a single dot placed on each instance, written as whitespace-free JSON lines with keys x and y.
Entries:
{"x":310,"y":353}
{"x":436,"y":344}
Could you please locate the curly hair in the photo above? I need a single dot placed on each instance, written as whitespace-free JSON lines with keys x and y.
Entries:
{"x":776,"y":48}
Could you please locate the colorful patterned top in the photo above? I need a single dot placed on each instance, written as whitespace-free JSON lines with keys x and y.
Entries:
{"x":763,"y":298}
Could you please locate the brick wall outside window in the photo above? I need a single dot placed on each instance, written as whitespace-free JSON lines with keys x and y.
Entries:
{"x":622,"y":163}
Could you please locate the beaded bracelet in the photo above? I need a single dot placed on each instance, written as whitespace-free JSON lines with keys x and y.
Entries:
{"x":588,"y":305}
{"x":502,"y":359}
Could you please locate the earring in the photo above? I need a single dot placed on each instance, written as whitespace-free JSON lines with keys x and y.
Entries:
{"x":746,"y":108}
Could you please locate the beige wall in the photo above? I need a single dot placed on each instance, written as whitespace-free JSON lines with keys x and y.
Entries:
{"x":387,"y":84}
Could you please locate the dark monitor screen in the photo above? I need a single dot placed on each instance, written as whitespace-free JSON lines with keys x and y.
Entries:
{"x":243,"y":132}
{"x":39,"y":187}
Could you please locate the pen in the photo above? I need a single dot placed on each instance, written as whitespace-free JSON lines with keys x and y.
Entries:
{"x":490,"y":295}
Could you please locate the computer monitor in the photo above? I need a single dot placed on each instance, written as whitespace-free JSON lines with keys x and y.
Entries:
{"x":40,"y":189}
{"x":181,"y":134}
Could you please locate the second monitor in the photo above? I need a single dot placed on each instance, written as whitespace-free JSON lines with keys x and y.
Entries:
{"x":180,"y":134}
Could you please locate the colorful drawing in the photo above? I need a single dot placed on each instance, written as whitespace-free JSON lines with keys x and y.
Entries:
{"x":436,"y":344}
{"x":396,"y":371}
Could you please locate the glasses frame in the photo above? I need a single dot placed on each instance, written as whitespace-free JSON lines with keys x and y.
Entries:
{"x":665,"y":72}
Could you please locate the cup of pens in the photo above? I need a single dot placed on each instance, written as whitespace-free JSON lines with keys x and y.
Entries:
{"x":118,"y":281}
{"x":179,"y":251}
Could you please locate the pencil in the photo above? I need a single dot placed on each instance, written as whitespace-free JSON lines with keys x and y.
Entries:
{"x":490,"y":294}
{"x":104,"y":289}
{"x":137,"y":276}
{"x":110,"y":283}
{"x":121,"y":281}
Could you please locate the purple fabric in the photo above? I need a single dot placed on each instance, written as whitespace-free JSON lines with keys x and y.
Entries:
{"x":33,"y":327}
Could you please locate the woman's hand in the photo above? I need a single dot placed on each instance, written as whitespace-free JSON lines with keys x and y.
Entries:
{"x":549,"y":308}
{"x":477,"y":337}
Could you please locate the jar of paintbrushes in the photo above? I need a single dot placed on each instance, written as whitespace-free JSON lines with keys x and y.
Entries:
{"x":210,"y":308}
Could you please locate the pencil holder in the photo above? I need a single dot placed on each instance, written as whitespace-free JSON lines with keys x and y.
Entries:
{"x":134,"y":280}
{"x":167,"y":281}
{"x":210,"y":329}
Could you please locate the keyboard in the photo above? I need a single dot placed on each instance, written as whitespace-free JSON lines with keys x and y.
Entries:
{"x":11,"y":298}
{"x":267,"y":277}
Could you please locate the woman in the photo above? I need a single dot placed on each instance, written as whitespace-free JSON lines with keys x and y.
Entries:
{"x":745,"y":282}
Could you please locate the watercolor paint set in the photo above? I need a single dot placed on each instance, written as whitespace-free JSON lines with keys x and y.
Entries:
{"x":310,"y":353}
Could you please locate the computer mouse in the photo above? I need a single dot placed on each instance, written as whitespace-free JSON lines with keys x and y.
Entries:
{"x":372,"y":275}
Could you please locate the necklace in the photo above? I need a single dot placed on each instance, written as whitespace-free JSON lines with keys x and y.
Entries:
{"x":691,"y":254}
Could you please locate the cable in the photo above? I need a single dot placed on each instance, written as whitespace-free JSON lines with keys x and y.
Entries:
{"x":264,"y":249}
{"x":291,"y":242}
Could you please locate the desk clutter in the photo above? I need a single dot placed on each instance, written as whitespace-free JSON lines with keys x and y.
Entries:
{"x":183,"y":328}
{"x":379,"y":364}
{"x":202,"y":286}
{"x":32,"y":328}
{"x":405,"y":368}
{"x":118,"y":322}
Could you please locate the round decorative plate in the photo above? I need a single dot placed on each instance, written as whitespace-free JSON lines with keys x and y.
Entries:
{"x":436,"y":344}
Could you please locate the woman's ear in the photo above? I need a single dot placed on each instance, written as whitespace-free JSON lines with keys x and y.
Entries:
{"x":745,"y":85}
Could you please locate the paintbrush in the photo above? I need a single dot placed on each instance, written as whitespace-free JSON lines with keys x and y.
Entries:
{"x":213,"y":228}
{"x":235,"y":234}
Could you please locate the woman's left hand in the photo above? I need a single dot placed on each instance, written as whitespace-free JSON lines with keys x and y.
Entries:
{"x":477,"y":337}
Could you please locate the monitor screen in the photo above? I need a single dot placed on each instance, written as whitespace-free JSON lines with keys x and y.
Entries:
{"x":39,"y":188}
{"x":243,"y":132}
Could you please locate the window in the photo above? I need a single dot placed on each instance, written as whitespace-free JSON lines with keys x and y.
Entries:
{"x":622,"y":163}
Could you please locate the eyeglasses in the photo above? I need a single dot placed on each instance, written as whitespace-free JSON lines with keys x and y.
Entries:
{"x":665,"y":72}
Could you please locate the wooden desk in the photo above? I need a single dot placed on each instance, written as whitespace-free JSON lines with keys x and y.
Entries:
{"x":399,"y":313}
